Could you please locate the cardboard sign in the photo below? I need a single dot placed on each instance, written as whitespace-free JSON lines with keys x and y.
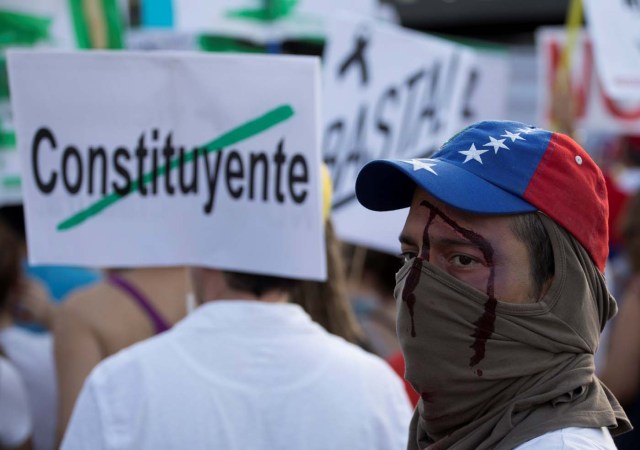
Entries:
{"x":42,"y":23}
{"x":38,"y":22}
{"x":10,"y":174}
{"x":614,"y":26}
{"x":595,"y":109}
{"x":252,"y":20}
{"x":486,"y":92}
{"x":389,"y":93}
{"x":133,"y":159}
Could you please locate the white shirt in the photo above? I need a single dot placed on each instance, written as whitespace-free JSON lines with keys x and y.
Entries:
{"x":239,"y":375}
{"x":572,"y":438}
{"x":32,"y":354}
{"x":15,"y":419}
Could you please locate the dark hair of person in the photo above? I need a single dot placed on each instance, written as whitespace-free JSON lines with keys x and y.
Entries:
{"x":631,"y":150}
{"x":630,"y":226}
{"x":529,"y":229}
{"x":258,"y":285}
{"x":10,"y":270}
{"x":381,"y":267}
{"x":13,"y":217}
{"x":327,"y":302}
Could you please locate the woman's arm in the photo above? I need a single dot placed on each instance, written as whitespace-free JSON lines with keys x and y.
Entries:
{"x":77,"y":351}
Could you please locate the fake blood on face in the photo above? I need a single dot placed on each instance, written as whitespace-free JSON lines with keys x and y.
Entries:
{"x":485,"y":325}
{"x":413,"y":278}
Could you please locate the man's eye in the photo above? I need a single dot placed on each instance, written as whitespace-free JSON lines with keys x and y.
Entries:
{"x":406,"y":256}
{"x":462,"y":260}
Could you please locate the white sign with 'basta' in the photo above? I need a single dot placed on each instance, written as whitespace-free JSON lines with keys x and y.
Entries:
{"x":171,"y":159}
{"x":390,"y":93}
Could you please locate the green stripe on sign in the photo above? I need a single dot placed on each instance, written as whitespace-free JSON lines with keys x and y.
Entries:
{"x":7,"y":140}
{"x":11,"y":182}
{"x":231,"y":137}
{"x":22,"y":29}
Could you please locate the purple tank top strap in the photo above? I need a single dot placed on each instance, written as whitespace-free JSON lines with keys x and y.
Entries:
{"x":159,"y":323}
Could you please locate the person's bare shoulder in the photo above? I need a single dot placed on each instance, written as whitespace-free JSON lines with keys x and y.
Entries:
{"x":108,"y":314}
{"x":94,"y":306}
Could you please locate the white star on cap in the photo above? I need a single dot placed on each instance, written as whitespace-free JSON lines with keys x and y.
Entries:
{"x":526,"y":130}
{"x":512,"y":136}
{"x":425,"y":164}
{"x":497,"y":144}
{"x":473,"y":153}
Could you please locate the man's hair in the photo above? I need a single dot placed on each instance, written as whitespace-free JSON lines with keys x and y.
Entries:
{"x":529,"y":229}
{"x":10,"y":271}
{"x":258,"y":285}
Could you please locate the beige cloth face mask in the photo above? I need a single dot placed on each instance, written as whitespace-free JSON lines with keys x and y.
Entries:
{"x":494,"y":375}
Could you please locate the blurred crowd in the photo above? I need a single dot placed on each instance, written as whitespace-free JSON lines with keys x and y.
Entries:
{"x":58,"y":323}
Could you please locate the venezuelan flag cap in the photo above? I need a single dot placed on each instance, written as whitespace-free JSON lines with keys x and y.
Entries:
{"x":501,"y":167}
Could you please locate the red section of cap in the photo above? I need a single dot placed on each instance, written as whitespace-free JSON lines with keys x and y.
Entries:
{"x":569,"y":187}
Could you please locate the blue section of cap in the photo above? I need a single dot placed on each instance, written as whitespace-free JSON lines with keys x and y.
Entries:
{"x":465,"y":173}
{"x":510,"y":168}
{"x":453,"y":186}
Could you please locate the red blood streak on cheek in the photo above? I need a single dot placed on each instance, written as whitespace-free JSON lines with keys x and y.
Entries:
{"x":413,"y":278}
{"x":407,"y":291}
{"x":485,"y":325}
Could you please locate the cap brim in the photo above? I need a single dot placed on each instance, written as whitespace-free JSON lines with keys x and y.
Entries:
{"x":385,"y":185}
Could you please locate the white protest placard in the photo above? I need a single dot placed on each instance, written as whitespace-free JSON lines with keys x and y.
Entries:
{"x":248,"y":18}
{"x":595,"y":109}
{"x":486,"y":94}
{"x":46,"y":23}
{"x":614,"y":26}
{"x":10,"y":174}
{"x":138,"y":159}
{"x":389,"y":93}
{"x":41,"y":23}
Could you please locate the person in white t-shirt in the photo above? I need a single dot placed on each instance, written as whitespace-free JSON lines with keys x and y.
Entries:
{"x":246,"y":369}
{"x":15,"y":418}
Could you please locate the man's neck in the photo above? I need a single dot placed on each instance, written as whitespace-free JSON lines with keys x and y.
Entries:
{"x":233,"y":294}
{"x":210,"y":286}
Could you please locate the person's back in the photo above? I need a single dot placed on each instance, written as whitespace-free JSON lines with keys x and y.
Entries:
{"x":15,"y":417}
{"x":32,"y":355}
{"x":105,"y":318}
{"x":242,"y":374}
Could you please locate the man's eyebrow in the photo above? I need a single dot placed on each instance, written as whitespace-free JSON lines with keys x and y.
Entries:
{"x":453,"y":241}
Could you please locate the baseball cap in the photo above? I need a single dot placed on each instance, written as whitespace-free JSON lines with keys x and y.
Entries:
{"x":501,"y":167}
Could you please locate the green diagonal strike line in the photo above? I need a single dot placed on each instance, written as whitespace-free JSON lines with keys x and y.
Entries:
{"x":238,"y":134}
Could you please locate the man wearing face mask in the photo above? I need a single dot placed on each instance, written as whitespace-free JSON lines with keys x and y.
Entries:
{"x":501,"y":300}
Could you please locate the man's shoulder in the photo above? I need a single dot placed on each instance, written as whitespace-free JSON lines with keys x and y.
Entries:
{"x":354,"y":358}
{"x":572,"y":438}
{"x":132,"y":362}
